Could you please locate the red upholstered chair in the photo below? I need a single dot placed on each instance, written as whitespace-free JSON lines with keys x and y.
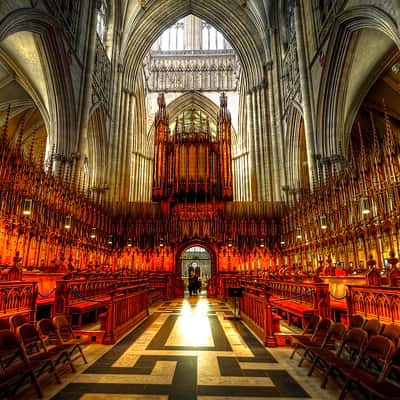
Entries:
{"x":16,"y":321}
{"x":380,"y":387}
{"x":352,"y":344}
{"x":52,"y":339}
{"x":317,"y":337}
{"x":356,"y":321}
{"x":15,"y":367}
{"x":378,"y":350}
{"x":392,"y":332}
{"x":308,"y":332}
{"x":36,"y":350}
{"x":332,"y":341}
{"x":66,"y":334}
{"x":372,"y":327}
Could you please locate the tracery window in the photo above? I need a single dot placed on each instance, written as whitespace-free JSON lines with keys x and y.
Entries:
{"x":172,"y":38}
{"x":211,"y":39}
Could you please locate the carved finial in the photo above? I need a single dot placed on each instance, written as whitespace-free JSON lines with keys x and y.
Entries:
{"x":5,"y":128}
{"x":52,"y":156}
{"x":21,"y":133}
{"x":389,"y":142}
{"x":376,"y":149}
{"x":363,"y":154}
{"x":32,"y":146}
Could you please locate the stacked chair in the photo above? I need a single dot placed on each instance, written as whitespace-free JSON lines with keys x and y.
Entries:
{"x":365,"y":356}
{"x":28,"y":351}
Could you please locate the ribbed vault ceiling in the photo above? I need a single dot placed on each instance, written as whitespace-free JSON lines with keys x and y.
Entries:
{"x":234,"y":20}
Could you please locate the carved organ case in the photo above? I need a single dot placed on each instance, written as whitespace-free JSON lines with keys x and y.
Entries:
{"x":192,"y":162}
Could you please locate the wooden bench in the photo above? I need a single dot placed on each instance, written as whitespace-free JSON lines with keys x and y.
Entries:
{"x":299,"y":301}
{"x":46,"y":284}
{"x":73,"y":299}
{"x":375,"y":302}
{"x":18,"y":297}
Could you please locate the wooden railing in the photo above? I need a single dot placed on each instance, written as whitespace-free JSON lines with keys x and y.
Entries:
{"x":69,"y":293}
{"x":224,"y":281}
{"x":18,"y":297}
{"x":382,"y":303}
{"x":161,"y":284}
{"x":127,"y":306}
{"x":313,"y":295}
{"x":256,"y":306}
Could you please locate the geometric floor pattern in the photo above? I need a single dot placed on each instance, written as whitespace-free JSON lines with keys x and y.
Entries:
{"x":186,"y":350}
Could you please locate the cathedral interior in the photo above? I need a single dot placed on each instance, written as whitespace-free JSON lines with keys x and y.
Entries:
{"x":199,"y":200}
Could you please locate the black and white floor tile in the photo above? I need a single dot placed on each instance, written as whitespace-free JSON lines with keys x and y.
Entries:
{"x":186,"y":350}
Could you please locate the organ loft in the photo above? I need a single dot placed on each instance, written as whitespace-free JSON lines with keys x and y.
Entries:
{"x":199,"y":200}
{"x":192,"y":163}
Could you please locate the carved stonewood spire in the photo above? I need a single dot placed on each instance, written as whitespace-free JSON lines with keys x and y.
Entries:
{"x":160,"y":148}
{"x":225,"y":156}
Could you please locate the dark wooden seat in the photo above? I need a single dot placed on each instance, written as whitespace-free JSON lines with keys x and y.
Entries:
{"x":15,"y":367}
{"x":66,"y":335}
{"x":37,"y":351}
{"x":16,"y":321}
{"x":316,"y":339}
{"x":334,"y":335}
{"x":372,"y":327}
{"x":392,"y":331}
{"x":378,"y":350}
{"x":382,"y":388}
{"x":53,"y":341}
{"x":307,"y":332}
{"x":353,"y":343}
{"x":356,"y":321}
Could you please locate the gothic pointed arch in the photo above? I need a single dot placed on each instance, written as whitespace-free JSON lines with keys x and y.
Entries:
{"x":97,"y":145}
{"x":55,"y":62}
{"x":235,"y":24}
{"x":331,"y":113}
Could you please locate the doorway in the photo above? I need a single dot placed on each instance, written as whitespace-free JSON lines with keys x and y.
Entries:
{"x":195,"y":270}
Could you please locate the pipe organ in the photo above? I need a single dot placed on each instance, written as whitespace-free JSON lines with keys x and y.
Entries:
{"x":191,"y":161}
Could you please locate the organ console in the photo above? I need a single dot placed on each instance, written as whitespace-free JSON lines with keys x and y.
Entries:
{"x":192,"y":162}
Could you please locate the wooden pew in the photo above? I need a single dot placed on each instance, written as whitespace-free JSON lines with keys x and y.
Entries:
{"x":46,"y":284}
{"x":374,"y":302}
{"x":304,"y":299}
{"x":18,"y":297}
{"x":256,"y":310}
{"x":79,"y":297}
{"x":127,"y":306}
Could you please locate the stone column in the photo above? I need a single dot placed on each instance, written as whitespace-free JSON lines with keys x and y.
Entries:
{"x":275,"y":99}
{"x":253,"y":171}
{"x":304,"y":85}
{"x":260,"y":139}
{"x":86,"y":100}
{"x":114,"y":132}
{"x":269,"y":153}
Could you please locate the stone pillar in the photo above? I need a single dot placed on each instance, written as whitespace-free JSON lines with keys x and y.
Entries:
{"x":260,"y":135}
{"x":275,"y":102}
{"x":253,"y":170}
{"x":86,"y":100}
{"x":306,"y":98}
{"x":115,"y":130}
{"x":269,"y":154}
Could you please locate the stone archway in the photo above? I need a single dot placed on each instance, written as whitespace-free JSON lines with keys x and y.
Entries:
{"x":195,"y":242}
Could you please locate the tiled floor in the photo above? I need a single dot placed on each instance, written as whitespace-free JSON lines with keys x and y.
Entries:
{"x":186,"y":350}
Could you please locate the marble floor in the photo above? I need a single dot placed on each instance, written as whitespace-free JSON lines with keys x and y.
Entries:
{"x":186,"y":350}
